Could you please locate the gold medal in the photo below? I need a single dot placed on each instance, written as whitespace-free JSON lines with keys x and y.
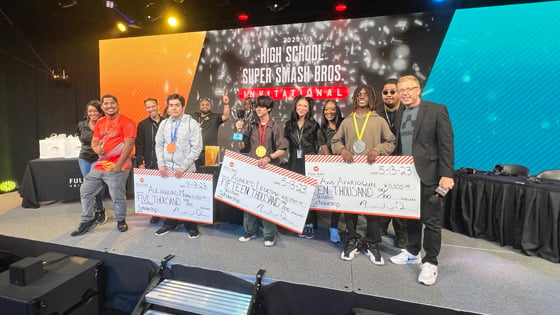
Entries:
{"x":171,"y":147}
{"x":260,"y":151}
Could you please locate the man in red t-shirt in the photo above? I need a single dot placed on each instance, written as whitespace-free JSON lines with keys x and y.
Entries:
{"x":113,"y":140}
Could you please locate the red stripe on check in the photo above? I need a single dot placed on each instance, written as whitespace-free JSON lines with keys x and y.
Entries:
{"x":273,"y":168}
{"x":195,"y":176}
{"x":359,"y":159}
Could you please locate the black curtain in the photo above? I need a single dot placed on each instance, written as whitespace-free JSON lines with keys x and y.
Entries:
{"x":32,"y":104}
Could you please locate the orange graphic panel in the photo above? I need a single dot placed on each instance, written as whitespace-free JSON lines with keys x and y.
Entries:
{"x":137,"y":68}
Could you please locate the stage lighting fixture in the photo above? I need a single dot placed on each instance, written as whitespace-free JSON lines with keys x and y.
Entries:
{"x":277,"y":5}
{"x":152,"y":11}
{"x":243,"y":17}
{"x":121,"y":27}
{"x":7,"y":186}
{"x":172,"y":21}
{"x":340,"y":7}
{"x":109,"y":4}
{"x":65,"y":4}
{"x":59,"y":75}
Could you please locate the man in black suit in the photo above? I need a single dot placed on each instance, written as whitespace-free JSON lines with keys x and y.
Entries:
{"x":423,"y":130}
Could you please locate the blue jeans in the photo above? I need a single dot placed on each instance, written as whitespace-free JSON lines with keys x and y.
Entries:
{"x":251,"y":225}
{"x":85,"y":167}
{"x":92,"y":186}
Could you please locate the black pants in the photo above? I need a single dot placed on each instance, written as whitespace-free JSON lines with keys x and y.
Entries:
{"x":373,"y":233}
{"x":431,"y":215}
{"x":190,"y":226}
{"x":312,"y":219}
{"x":399,"y":226}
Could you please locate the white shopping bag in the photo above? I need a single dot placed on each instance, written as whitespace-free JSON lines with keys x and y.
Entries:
{"x":52,"y":147}
{"x":72,"y":147}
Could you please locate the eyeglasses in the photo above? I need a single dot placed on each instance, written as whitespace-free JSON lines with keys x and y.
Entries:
{"x":204,"y":99}
{"x":386,"y":92}
{"x":408,"y":90}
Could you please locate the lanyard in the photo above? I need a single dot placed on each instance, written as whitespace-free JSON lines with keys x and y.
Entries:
{"x":388,"y":119}
{"x":174,"y":131}
{"x":262,"y":132}
{"x":360,"y":134}
{"x":299,"y":134}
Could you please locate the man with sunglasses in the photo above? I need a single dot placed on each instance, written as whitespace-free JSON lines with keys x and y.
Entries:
{"x":391,"y":102}
{"x":424,"y":131}
{"x":209,"y":122}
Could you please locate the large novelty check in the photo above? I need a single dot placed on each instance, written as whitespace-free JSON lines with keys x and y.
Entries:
{"x":390,"y":186}
{"x":273,"y":193}
{"x":186,"y":198}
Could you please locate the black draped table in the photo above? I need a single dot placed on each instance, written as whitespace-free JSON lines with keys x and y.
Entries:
{"x":515,"y":211}
{"x":55,"y":179}
{"x":50,"y":179}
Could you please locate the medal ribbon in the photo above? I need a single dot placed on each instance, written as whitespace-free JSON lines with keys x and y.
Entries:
{"x":174,"y":131}
{"x":262,"y":132}
{"x":358,"y":133}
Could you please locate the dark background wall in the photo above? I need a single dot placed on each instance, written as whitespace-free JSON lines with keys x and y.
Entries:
{"x":33,"y":105}
{"x":37,"y":36}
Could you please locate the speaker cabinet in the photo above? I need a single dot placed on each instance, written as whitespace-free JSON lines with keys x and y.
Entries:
{"x":69,"y":285}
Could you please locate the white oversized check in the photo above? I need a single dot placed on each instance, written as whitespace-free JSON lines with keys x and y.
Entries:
{"x":186,"y":198}
{"x":273,"y":193}
{"x":390,"y":186}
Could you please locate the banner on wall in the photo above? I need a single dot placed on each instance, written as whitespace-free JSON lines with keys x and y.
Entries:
{"x":323,"y":60}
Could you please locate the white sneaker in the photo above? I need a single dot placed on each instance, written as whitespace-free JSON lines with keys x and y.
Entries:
{"x":269,"y":241}
{"x":428,"y":274}
{"x":246,"y":237}
{"x":405,"y":258}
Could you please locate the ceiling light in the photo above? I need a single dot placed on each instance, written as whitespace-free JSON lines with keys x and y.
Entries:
{"x":65,"y":4}
{"x":152,"y":11}
{"x":277,"y":5}
{"x":121,"y":27}
{"x":341,"y":7}
{"x":172,"y":21}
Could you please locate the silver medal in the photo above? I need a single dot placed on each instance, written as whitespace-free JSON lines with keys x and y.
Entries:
{"x":359,"y":146}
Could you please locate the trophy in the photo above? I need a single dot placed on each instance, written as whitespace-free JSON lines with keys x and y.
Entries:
{"x":240,"y":113}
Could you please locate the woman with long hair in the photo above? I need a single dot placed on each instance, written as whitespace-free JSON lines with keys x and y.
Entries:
{"x":332,"y":118}
{"x":301,"y":132}
{"x":87,"y":157}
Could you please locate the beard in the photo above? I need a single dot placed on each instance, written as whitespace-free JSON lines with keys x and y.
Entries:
{"x":205,"y":112}
{"x":391,"y":106}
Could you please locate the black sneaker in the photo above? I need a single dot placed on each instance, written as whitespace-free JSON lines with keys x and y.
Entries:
{"x":193,"y":234}
{"x":374,"y":254}
{"x":100,"y":216}
{"x":350,"y":250}
{"x":309,"y":231}
{"x":122,"y":226}
{"x":83,"y":228}
{"x":165,"y":229}
{"x":154,"y":220}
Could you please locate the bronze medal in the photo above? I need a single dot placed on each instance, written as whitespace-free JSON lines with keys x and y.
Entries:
{"x":171,"y":147}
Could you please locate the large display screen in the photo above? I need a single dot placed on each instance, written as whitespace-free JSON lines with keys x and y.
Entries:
{"x":486,"y":64}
